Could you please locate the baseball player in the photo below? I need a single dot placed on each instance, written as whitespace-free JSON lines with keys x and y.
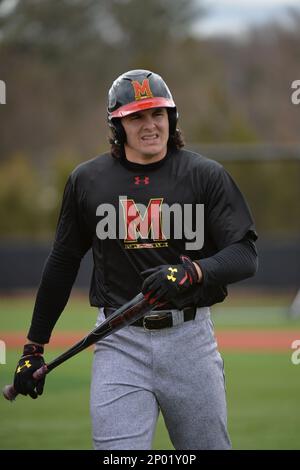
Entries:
{"x":142,"y":208}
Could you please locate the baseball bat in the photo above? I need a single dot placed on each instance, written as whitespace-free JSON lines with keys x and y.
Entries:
{"x":133,"y":310}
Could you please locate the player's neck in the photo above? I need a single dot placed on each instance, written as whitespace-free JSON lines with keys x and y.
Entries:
{"x":143,"y":159}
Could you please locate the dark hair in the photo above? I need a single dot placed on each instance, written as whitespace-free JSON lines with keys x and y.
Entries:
{"x":175,"y":142}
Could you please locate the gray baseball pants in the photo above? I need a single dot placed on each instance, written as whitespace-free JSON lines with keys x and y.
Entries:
{"x":178,"y":371}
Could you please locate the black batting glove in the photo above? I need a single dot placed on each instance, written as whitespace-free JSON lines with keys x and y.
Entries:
{"x":31,"y":360}
{"x":165,"y":282}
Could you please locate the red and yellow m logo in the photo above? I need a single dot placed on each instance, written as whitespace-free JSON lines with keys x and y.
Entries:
{"x":138,"y":226}
{"x":142,"y":90}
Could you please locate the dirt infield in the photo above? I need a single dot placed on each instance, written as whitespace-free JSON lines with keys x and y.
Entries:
{"x":253,"y":340}
{"x":240,"y":340}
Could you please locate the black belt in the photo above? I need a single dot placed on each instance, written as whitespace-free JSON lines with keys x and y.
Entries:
{"x":158,"y":320}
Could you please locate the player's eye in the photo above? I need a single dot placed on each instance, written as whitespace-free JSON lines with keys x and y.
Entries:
{"x":158,"y":112}
{"x":134,"y":116}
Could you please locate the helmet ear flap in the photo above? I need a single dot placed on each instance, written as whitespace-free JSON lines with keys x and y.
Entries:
{"x":173,"y":118}
{"x":118,"y":131}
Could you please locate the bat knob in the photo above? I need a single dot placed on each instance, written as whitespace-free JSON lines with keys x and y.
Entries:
{"x":9,"y":392}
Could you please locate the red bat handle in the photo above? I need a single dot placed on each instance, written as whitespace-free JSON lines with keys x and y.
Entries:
{"x":9,"y":391}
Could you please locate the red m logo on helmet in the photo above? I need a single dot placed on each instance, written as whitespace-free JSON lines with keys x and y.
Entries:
{"x":141,"y":90}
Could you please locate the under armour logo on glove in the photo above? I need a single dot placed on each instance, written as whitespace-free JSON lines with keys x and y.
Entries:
{"x":171,"y":277}
{"x":26,"y":364}
{"x":165,"y":282}
{"x":31,"y":360}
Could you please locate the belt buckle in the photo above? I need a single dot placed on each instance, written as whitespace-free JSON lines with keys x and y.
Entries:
{"x":152,"y":317}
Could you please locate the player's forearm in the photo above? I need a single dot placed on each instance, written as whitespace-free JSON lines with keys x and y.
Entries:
{"x":234,"y":263}
{"x":58,"y":278}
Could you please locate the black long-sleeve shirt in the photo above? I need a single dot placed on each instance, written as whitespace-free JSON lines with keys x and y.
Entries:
{"x":228,"y":253}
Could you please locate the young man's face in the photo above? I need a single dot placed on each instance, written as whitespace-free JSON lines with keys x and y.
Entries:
{"x":147,"y":135}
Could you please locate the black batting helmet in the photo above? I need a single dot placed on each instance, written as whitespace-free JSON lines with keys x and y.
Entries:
{"x":135,"y":91}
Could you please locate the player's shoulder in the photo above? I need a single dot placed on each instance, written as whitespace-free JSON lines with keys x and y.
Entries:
{"x":93,"y":168}
{"x":195,"y":161}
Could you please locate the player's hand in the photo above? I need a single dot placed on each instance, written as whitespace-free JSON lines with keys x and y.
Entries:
{"x":164,"y":282}
{"x":31,"y":360}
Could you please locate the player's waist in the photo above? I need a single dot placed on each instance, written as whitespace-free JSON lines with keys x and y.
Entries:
{"x":160,"y":319}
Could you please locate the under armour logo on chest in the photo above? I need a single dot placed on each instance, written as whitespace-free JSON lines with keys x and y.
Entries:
{"x":139,"y":180}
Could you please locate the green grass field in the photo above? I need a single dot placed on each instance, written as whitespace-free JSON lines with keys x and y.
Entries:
{"x":263,"y":389}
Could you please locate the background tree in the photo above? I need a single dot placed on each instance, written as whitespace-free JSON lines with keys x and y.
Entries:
{"x":59,"y":57}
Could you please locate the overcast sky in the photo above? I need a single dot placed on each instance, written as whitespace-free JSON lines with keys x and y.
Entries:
{"x":233,"y":16}
{"x":226,"y":16}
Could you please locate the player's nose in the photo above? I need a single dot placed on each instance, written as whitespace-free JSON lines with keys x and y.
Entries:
{"x":148,"y":122}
